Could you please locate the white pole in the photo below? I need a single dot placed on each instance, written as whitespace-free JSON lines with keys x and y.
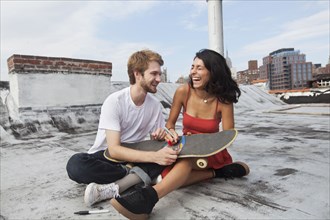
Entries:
{"x":215,"y":25}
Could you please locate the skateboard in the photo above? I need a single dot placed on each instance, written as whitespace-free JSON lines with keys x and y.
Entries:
{"x":191,"y":146}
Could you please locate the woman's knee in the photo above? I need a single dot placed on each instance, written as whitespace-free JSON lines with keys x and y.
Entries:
{"x":187,"y":162}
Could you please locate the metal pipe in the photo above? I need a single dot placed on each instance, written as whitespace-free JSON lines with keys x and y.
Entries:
{"x":215,"y":25}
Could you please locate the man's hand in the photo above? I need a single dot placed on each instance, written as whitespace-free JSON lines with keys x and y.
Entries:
{"x":159,"y":134}
{"x":166,"y":156}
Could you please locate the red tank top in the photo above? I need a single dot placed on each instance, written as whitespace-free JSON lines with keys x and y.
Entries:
{"x":200,"y":125}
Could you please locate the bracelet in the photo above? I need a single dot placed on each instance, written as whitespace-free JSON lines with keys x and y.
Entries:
{"x":171,"y":128}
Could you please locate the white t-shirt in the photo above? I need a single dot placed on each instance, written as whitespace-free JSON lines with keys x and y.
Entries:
{"x":119,"y":113}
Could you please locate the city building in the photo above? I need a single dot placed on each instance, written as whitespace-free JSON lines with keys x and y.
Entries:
{"x":182,"y":79}
{"x":232,"y":69}
{"x":249,"y":75}
{"x":286,"y":69}
{"x":321,"y":76}
{"x":164,"y":75}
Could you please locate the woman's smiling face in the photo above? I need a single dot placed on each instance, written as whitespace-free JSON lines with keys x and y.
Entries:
{"x":199,"y":74}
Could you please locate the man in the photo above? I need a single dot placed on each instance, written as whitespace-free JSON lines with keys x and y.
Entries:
{"x":127,"y":116}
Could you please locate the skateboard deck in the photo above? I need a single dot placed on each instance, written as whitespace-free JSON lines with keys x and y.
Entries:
{"x":196,"y":146}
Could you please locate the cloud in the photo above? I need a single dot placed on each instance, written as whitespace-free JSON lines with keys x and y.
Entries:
{"x":197,"y":11}
{"x":105,"y":31}
{"x":65,"y":29}
{"x":303,"y":29}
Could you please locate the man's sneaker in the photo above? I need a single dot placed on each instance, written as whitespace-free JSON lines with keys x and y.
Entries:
{"x":238,"y":169}
{"x":137,"y":204}
{"x":98,"y":192}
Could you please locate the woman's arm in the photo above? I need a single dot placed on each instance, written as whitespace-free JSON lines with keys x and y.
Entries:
{"x":177,"y":104}
{"x":227,"y":113}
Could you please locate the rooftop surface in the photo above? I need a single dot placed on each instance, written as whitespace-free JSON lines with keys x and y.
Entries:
{"x":286,"y":148}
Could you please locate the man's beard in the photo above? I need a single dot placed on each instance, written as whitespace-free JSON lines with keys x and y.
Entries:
{"x":148,"y":88}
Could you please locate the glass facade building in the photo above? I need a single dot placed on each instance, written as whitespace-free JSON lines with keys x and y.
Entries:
{"x":287,"y":69}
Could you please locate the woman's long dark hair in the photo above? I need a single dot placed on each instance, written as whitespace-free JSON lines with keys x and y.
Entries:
{"x":221,"y":84}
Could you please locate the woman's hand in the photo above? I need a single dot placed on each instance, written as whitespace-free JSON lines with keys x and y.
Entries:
{"x":171,"y":136}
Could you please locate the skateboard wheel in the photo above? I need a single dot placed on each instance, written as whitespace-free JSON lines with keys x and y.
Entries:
{"x":201,"y":163}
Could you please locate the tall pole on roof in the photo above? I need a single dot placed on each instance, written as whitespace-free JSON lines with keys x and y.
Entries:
{"x":215,"y":25}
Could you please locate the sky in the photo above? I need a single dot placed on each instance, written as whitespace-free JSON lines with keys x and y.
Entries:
{"x":112,"y":30}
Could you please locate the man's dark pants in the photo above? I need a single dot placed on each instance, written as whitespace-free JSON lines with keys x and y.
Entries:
{"x":87,"y":168}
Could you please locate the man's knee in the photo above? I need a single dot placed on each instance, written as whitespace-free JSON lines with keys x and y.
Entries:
{"x":74,"y":169}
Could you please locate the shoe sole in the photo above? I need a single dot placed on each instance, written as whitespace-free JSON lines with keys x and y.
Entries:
{"x":130,"y":215}
{"x":246,"y":167}
{"x":87,"y":192}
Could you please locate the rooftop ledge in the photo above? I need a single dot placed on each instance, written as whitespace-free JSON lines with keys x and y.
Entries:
{"x":40,"y":64}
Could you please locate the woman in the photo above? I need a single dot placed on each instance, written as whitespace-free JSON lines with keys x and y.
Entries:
{"x":206,"y":101}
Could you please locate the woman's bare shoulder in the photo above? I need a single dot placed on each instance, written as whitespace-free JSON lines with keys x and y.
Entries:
{"x":181,"y":93}
{"x":182,"y":89}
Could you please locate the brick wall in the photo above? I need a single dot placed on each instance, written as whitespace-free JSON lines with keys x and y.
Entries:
{"x":31,"y":64}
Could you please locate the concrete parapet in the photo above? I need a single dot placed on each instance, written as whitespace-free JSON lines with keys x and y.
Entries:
{"x":37,"y":81}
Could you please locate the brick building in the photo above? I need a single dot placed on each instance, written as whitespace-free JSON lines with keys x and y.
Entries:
{"x":321,"y":76}
{"x":249,"y":75}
